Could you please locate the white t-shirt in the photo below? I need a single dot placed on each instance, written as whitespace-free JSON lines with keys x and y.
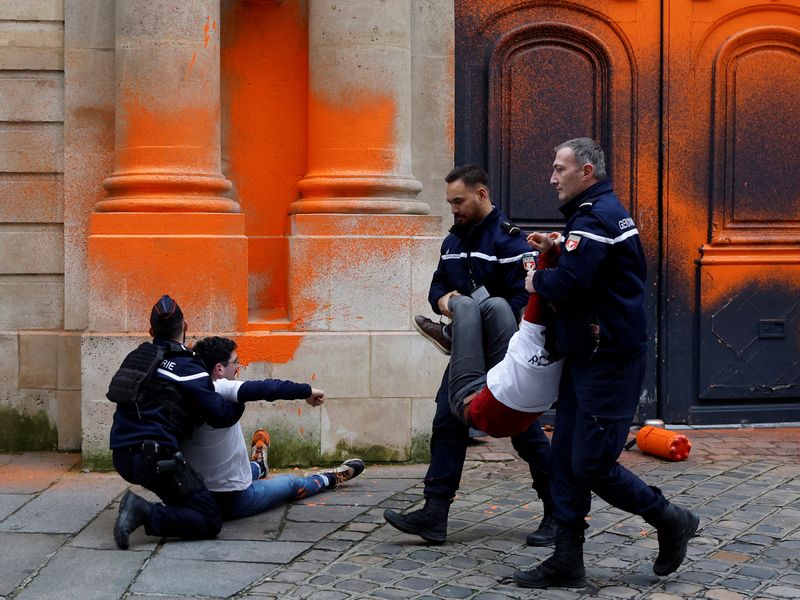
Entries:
{"x":220,"y":454}
{"x":525,"y":379}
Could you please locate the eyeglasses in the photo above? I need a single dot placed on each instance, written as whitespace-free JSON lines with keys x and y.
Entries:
{"x":235,"y":362}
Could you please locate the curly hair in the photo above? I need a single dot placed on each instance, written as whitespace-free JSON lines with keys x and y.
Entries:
{"x":213,"y":350}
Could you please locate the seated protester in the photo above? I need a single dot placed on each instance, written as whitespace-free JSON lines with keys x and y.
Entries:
{"x":497,"y":391}
{"x":240,"y":486}
{"x":162,"y":392}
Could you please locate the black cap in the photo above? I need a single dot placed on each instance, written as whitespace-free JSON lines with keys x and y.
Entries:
{"x":166,"y":317}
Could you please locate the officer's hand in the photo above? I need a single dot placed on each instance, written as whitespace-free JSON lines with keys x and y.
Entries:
{"x":316,"y":398}
{"x":442,"y":304}
{"x":540,"y":241}
{"x":529,"y":281}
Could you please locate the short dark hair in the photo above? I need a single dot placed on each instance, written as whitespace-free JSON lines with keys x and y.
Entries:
{"x":587,"y":152}
{"x":471,"y":175}
{"x":213,"y":350}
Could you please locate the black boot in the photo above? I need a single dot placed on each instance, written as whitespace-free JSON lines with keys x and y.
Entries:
{"x":429,"y":522}
{"x":675,"y":526}
{"x":133,"y":512}
{"x":563,"y":569}
{"x":547,"y":532}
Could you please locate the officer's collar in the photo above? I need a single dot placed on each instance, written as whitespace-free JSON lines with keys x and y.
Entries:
{"x":171,"y":345}
{"x":464,"y":231}
{"x":587,"y":195}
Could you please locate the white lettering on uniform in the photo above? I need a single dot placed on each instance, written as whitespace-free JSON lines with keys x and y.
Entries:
{"x":167,"y":364}
{"x":626,"y":223}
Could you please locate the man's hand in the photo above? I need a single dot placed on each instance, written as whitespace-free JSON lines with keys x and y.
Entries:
{"x":529,"y":281}
{"x":442,"y":304}
{"x":542,"y":242}
{"x":316,"y":398}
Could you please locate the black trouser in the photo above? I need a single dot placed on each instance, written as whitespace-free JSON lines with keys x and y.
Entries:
{"x":191,"y":514}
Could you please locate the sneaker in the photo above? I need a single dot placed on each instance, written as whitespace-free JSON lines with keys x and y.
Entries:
{"x":433,"y":332}
{"x":352,"y":467}
{"x":259,"y":449}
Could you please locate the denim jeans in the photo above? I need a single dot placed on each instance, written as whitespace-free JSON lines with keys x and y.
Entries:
{"x":264,"y":494}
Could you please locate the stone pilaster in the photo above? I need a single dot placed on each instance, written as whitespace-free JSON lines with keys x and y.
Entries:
{"x":359,"y":109}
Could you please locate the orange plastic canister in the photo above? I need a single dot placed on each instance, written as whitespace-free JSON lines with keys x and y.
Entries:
{"x":661,"y":442}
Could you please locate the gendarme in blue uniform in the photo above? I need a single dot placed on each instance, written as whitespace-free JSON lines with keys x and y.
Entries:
{"x":133,"y":425}
{"x":600,"y":276}
{"x":473,"y":255}
{"x":482,"y":254}
{"x":600,"y":279}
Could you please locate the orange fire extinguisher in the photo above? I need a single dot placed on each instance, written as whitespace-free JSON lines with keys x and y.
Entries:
{"x":661,"y":442}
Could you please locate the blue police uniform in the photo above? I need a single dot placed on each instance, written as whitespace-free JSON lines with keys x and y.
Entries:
{"x":144,"y":433}
{"x":473,"y":255}
{"x":599,"y":283}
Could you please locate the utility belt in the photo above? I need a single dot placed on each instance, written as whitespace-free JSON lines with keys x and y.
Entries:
{"x":170,"y":463}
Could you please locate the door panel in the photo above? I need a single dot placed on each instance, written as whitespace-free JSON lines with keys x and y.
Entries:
{"x":531,"y":75}
{"x":731,"y":212}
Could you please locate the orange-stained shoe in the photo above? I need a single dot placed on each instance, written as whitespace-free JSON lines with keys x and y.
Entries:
{"x":259,"y":449}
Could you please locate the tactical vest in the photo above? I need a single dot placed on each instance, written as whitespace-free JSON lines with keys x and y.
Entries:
{"x":134,"y":385}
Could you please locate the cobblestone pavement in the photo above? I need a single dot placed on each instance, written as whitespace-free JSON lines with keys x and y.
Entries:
{"x":56,"y":521}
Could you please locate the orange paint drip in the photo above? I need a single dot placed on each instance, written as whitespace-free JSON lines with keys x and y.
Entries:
{"x":206,"y":32}
{"x":191,"y":65}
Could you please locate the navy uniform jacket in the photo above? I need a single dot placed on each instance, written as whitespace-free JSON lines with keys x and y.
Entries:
{"x":600,"y":276}
{"x":148,"y":421}
{"x":482,"y":254}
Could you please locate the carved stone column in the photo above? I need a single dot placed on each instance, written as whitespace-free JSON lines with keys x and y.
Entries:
{"x":166,"y":226}
{"x":359,"y":110}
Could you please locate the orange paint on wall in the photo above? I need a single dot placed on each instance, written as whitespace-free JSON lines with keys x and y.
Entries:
{"x":152,"y":139}
{"x":264,"y":70}
{"x":719,"y":283}
{"x":353,"y":133}
{"x":267,"y":347}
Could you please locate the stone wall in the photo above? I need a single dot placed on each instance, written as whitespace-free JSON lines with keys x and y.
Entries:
{"x":57,"y":147}
{"x":40,"y":381}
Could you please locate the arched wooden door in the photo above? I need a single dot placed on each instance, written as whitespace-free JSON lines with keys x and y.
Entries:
{"x":679,"y":94}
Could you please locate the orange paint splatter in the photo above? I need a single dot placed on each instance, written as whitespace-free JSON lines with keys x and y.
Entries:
{"x":206,"y":32}
{"x":299,"y":412}
{"x":191,"y":65}
{"x":267,"y":347}
{"x":353,"y":133}
{"x":313,"y":377}
{"x":302,"y":430}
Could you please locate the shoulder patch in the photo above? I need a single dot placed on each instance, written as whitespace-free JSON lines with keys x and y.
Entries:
{"x":510,"y":228}
{"x":572,"y":242}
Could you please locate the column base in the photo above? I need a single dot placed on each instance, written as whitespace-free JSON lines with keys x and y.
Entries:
{"x":360,"y":272}
{"x":200,"y":259}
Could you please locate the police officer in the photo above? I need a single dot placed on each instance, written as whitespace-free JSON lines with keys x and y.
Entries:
{"x":162,"y":393}
{"x":598,"y":290}
{"x":480,"y":266}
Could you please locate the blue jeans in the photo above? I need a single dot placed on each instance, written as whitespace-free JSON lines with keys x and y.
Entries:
{"x":595,"y":409}
{"x":264,"y":494}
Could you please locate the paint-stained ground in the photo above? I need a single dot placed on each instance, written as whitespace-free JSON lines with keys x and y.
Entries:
{"x":56,"y":522}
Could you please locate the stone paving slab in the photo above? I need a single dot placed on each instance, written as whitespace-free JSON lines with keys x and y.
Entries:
{"x":198,"y":577}
{"x":68,"y":505}
{"x":84,"y":574}
{"x":32,"y":472}
{"x":11,"y":502}
{"x":234,"y":551}
{"x":22,"y":554}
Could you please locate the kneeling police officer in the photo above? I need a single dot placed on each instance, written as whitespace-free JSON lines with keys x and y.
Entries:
{"x":162,"y":393}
